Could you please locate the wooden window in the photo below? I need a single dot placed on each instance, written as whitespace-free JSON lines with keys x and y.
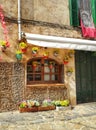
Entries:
{"x":40,"y":70}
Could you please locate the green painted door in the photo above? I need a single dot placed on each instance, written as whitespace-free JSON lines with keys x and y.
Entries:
{"x":85,"y":76}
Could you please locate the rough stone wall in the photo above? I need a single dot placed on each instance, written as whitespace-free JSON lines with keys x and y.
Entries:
{"x":13,"y":88}
{"x":50,"y":11}
{"x":44,"y":92}
{"x":11,"y":85}
{"x":52,"y":29}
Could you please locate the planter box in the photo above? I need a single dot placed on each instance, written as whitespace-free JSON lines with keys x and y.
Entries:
{"x":46,"y":108}
{"x":35,"y":109}
{"x":32,"y":109}
{"x":63,"y":108}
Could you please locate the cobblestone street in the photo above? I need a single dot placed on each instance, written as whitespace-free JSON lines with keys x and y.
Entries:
{"x":82,"y":117}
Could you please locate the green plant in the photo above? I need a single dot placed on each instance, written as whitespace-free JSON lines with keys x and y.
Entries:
{"x":61,"y":102}
{"x":47,"y":102}
{"x":18,"y":52}
{"x":22,"y":45}
{"x":3,"y":43}
{"x":28,"y":103}
{"x":56,"y":52}
{"x":70,"y":70}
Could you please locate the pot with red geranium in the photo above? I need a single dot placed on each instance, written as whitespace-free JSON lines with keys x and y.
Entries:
{"x":34,"y":64}
{"x":23,"y":46}
{"x":66,"y":59}
{"x":45,"y":54}
{"x":51,"y":64}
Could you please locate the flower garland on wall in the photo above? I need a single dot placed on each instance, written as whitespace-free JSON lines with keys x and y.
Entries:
{"x":3,"y":43}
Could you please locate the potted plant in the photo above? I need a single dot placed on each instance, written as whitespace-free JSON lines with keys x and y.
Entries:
{"x":71,"y":53}
{"x":60,"y":104}
{"x":23,"y":47}
{"x":51,"y":64}
{"x":46,"y":105}
{"x":45,"y":54}
{"x":29,"y":106}
{"x":3,"y":45}
{"x":35,"y":50}
{"x":18,"y":54}
{"x":56,"y":52}
{"x":34,"y":64}
{"x":69,"y":71}
{"x":66,"y":59}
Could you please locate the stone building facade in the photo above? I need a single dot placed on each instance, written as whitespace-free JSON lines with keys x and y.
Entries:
{"x":38,"y":17}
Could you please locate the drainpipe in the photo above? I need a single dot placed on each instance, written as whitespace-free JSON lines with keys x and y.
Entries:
{"x":19,"y":20}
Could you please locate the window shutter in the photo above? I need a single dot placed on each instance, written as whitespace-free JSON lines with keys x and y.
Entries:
{"x":93,"y":7}
{"x":74,"y":13}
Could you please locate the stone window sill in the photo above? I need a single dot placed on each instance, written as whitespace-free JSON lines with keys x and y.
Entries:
{"x":47,"y":85}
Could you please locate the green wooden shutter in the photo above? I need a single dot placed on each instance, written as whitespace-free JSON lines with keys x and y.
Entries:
{"x":74,"y":13}
{"x":93,"y":7}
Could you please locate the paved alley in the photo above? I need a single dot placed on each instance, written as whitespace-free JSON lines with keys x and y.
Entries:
{"x":82,"y":117}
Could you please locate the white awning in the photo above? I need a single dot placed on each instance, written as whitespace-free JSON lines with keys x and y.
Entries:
{"x":60,"y":42}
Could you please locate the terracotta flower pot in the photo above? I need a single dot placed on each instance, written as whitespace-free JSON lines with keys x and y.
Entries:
{"x":50,"y":66}
{"x":66,"y":62}
{"x":24,"y":50}
{"x":46,"y":108}
{"x":32,"y":109}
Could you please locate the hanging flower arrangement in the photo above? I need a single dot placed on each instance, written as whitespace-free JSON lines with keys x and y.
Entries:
{"x":71,"y":53}
{"x":45,"y":54}
{"x":23,"y":47}
{"x":19,"y":54}
{"x":69,"y":71}
{"x":3,"y":45}
{"x":34,"y":64}
{"x":35,"y":51}
{"x":51,"y":64}
{"x":56,"y":52}
{"x":66,"y":59}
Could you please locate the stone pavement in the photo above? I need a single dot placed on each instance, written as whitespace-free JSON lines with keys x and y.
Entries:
{"x":82,"y":117}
